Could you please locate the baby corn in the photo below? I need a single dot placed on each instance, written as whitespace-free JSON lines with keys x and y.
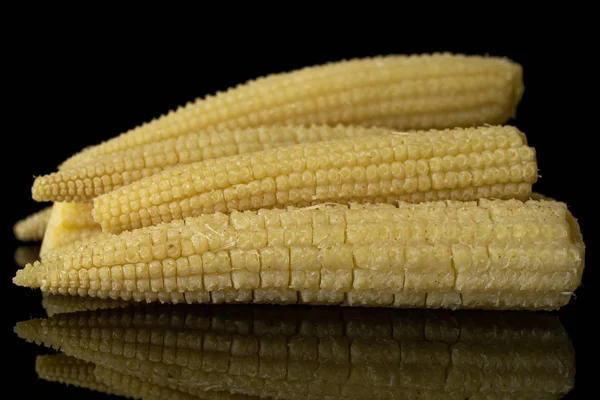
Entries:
{"x":33,"y":227}
{"x":88,"y":180}
{"x":486,"y":254}
{"x":458,"y":164}
{"x":401,"y":92}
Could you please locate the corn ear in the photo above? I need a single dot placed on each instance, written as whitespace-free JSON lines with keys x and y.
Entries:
{"x":481,"y":254}
{"x":110,"y":172}
{"x":33,"y":227}
{"x":400,"y":92}
{"x":458,"y":164}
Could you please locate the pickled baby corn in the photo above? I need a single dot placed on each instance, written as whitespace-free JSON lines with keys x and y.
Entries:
{"x":69,"y":223}
{"x":299,"y":353}
{"x":401,"y":92}
{"x":458,"y":164}
{"x":481,"y":254}
{"x":33,"y":227}
{"x":110,"y":172}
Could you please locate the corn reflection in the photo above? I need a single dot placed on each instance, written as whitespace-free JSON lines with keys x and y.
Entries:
{"x":26,"y":255}
{"x":59,"y":304}
{"x":304,"y":353}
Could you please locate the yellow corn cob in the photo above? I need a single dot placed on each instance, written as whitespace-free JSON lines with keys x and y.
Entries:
{"x":110,"y":172}
{"x":461,"y":164}
{"x":33,"y":227}
{"x":71,"y":371}
{"x":484,"y":254}
{"x":292,"y":353}
{"x":59,"y":304}
{"x":402,"y":92}
{"x":68,"y":223}
{"x":26,"y":255}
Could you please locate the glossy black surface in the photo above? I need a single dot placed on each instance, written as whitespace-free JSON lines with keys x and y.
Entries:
{"x":71,"y":95}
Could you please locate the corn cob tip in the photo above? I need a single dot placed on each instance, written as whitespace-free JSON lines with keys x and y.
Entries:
{"x":27,"y":277}
{"x":35,"y":188}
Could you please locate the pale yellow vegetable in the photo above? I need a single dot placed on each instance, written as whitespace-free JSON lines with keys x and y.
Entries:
{"x":110,"y":172}
{"x":33,"y":227}
{"x":458,"y":164}
{"x":400,"y":92}
{"x":481,"y":254}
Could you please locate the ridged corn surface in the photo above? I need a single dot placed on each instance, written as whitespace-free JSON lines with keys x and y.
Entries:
{"x":88,"y":180}
{"x":457,"y":164}
{"x":400,"y":92}
{"x":486,"y":253}
{"x":33,"y":227}
{"x":300,"y":353}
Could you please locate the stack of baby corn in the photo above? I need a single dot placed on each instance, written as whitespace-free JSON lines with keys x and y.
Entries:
{"x":386,"y":181}
{"x":252,"y":352}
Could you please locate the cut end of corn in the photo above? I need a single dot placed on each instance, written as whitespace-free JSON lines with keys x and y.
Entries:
{"x":397,"y":91}
{"x":33,"y":227}
{"x":27,"y":277}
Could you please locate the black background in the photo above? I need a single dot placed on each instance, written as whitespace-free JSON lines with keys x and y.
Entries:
{"x":69,"y":87}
